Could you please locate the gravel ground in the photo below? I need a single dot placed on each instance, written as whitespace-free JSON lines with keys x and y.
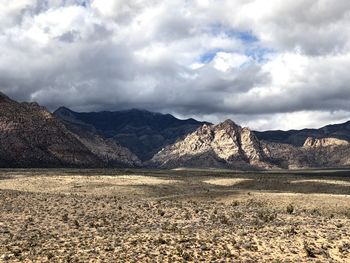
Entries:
{"x":48,"y":217}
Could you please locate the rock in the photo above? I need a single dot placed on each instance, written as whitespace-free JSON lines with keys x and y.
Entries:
{"x":323,"y":142}
{"x":223,"y":145}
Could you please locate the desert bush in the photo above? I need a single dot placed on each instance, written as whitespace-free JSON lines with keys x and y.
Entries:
{"x":290,"y":209}
{"x":161,"y":241}
{"x":65,"y":218}
{"x":347,"y":213}
{"x":344,"y":248}
{"x":290,"y":231}
{"x":309,"y":251}
{"x":316,"y":212}
{"x":187,"y":256}
{"x":188,"y":216}
{"x":50,"y":255}
{"x":224,"y":219}
{"x":76,"y":223}
{"x":266,"y":216}
{"x":235,"y":203}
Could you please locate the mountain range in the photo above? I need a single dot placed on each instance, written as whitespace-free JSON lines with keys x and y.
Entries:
{"x":31,"y":136}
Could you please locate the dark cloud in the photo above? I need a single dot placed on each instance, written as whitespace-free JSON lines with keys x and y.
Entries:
{"x":266,"y":64}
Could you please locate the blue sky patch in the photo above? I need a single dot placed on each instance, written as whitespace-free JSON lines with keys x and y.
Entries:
{"x":209,"y":56}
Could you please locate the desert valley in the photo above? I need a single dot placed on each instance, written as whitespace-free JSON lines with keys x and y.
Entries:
{"x":192,"y":191}
{"x":64,"y":215}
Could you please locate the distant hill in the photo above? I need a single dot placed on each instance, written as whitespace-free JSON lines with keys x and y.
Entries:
{"x":141,"y":131}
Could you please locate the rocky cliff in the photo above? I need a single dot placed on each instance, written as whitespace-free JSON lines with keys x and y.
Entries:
{"x":223,"y":145}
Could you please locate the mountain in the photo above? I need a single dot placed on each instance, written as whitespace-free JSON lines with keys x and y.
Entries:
{"x":318,"y":148}
{"x":314,"y":153}
{"x":298,"y":137}
{"x":141,"y":131}
{"x":32,"y":137}
{"x":225,"y":145}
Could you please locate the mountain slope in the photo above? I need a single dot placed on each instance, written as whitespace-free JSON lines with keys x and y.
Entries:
{"x":110,"y":152}
{"x":143,"y":132}
{"x":298,"y":137}
{"x":32,"y":137}
{"x":224,"y":145}
{"x":315,"y":153}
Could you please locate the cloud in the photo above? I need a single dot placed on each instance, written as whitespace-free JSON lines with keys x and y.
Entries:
{"x":224,"y":61}
{"x":266,"y":64}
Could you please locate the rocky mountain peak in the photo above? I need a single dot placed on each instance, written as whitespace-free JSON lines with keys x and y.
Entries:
{"x":228,"y":125}
{"x":227,"y":143}
{"x":4,"y":98}
{"x":66,"y":115}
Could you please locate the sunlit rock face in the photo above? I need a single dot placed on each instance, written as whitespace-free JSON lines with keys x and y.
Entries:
{"x":223,"y":145}
{"x":324,"y":142}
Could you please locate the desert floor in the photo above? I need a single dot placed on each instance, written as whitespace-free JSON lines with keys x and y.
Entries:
{"x":61,"y":215}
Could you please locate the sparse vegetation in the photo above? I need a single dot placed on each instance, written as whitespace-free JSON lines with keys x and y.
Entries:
{"x":290,"y":209}
{"x":309,"y":251}
{"x":134,"y":218}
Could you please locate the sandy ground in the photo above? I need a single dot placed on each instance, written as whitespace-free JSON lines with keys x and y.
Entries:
{"x":174,"y":216}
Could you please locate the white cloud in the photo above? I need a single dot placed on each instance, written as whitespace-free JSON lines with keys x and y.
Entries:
{"x":224,"y":61}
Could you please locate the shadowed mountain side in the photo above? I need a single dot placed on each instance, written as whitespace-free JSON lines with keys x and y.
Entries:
{"x":143,"y":132}
{"x":32,"y":137}
{"x":203,"y":160}
{"x":111,"y":153}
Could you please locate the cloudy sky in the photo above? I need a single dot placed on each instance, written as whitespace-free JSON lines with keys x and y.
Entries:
{"x":266,"y":64}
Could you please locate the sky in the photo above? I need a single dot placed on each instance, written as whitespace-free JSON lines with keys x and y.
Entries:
{"x":264,"y":64}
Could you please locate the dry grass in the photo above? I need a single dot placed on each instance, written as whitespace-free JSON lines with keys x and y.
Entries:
{"x":173,"y":216}
{"x":226,"y":181}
